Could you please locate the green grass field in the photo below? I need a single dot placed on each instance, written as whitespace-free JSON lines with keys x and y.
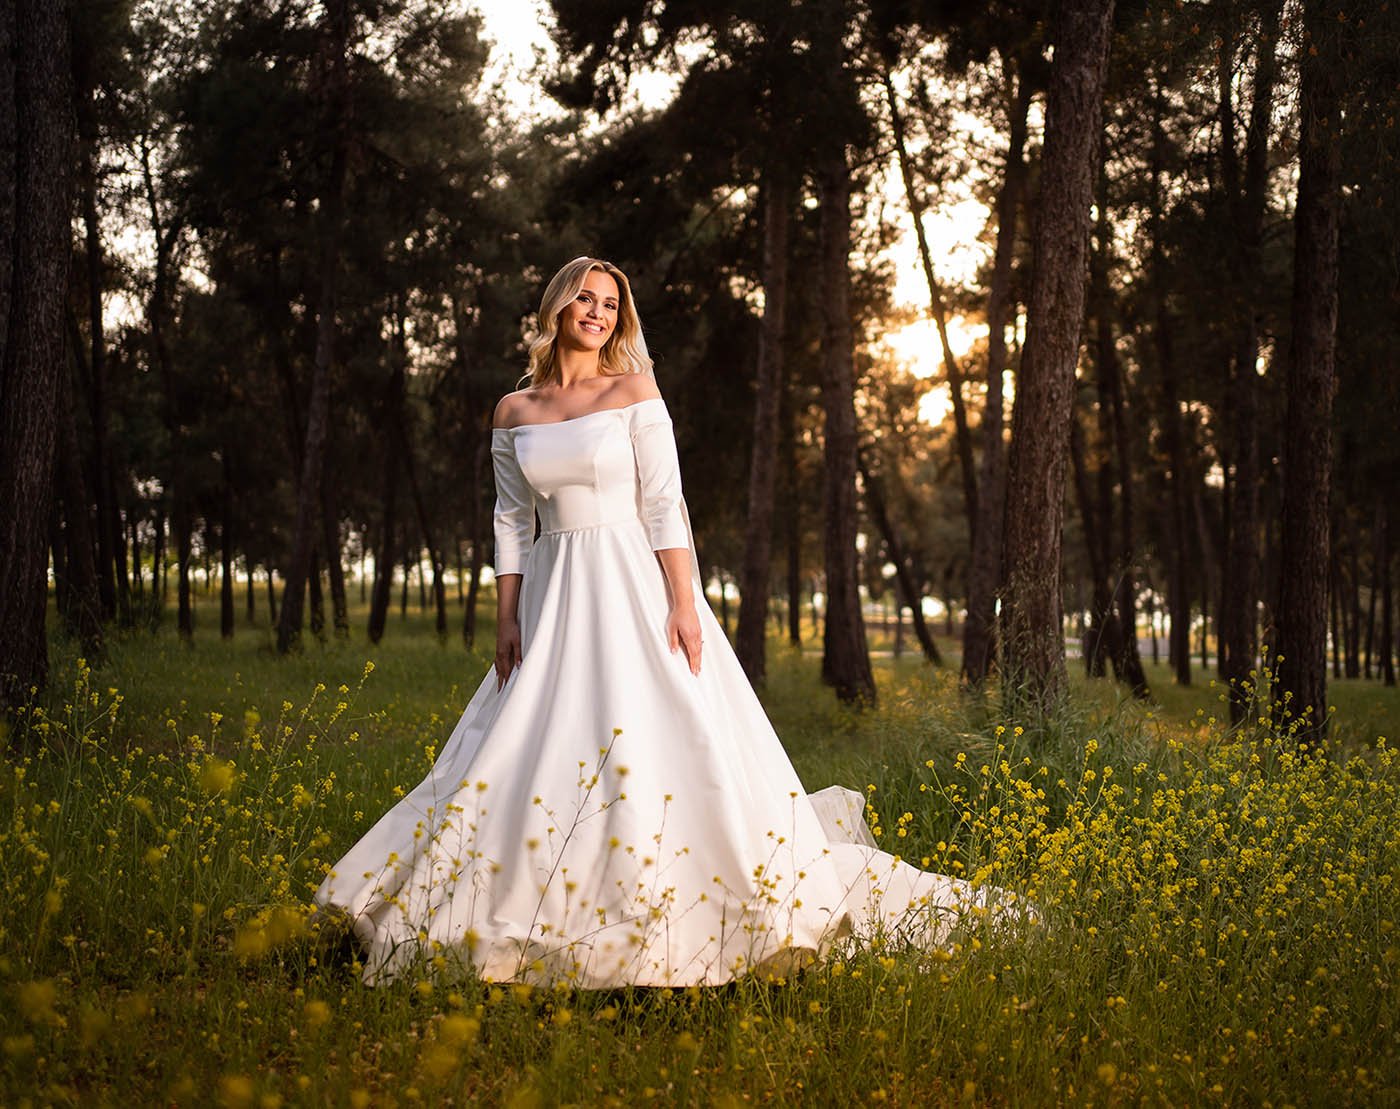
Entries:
{"x":1218,"y":912}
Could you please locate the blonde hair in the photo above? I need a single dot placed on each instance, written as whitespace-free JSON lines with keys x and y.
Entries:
{"x":625,"y":352}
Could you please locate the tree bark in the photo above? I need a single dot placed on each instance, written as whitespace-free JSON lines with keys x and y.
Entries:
{"x":845,"y":656}
{"x":82,"y":608}
{"x":480,"y":464}
{"x":1383,"y":556}
{"x":1307,"y":458}
{"x":1100,"y":641}
{"x":335,"y":570}
{"x":984,"y":571}
{"x":951,"y":369}
{"x":756,"y":573}
{"x":97,"y":356}
{"x":908,"y":590}
{"x":792,"y":522}
{"x":1032,"y":640}
{"x":226,"y":615}
{"x":309,"y":507}
{"x":1178,"y":597}
{"x":1240,"y":575}
{"x":36,"y":137}
{"x":184,"y":543}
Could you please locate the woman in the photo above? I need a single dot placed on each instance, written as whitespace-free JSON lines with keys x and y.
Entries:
{"x":614,"y":808}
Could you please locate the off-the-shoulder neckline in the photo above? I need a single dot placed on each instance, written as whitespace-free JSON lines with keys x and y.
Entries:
{"x":574,"y":419}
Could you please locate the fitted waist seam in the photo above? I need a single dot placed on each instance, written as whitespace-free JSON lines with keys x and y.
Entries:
{"x":623,"y":522}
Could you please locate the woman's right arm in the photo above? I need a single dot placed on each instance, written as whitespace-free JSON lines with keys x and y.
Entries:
{"x":514,"y":525}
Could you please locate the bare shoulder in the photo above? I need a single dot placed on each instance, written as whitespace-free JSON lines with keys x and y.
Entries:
{"x":633,"y":388}
{"x":509,"y":409}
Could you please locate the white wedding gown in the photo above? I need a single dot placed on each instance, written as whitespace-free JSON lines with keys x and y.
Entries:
{"x":608,"y":818}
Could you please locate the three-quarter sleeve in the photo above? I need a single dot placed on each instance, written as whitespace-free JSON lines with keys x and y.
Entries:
{"x":514,"y":518}
{"x":659,"y":472}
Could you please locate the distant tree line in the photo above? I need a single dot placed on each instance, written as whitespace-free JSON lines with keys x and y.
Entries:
{"x":269,"y":266}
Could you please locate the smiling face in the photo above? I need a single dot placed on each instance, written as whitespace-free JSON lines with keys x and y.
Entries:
{"x":590,"y":319}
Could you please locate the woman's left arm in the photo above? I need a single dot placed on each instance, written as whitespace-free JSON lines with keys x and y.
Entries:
{"x":659,"y":472}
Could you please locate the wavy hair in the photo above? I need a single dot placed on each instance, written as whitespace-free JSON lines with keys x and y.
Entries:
{"x":625,"y":352}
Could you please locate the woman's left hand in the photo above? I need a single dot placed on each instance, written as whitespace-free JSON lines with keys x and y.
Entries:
{"x":683,"y":631}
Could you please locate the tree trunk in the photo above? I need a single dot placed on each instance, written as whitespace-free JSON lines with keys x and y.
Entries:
{"x":158,"y":556}
{"x":951,"y":369}
{"x":908,"y":591}
{"x":1114,"y":426}
{"x":756,"y":572}
{"x":335,"y":570}
{"x":984,"y":571}
{"x":271,"y":598}
{"x":36,"y":136}
{"x":82,"y":607}
{"x":1100,"y":641}
{"x":1334,"y":598}
{"x":845,"y":657}
{"x":1374,"y":593}
{"x":1178,"y":597}
{"x":309,"y":507}
{"x":250,"y":614}
{"x":184,"y":543}
{"x":226,"y":615}
{"x":1383,"y":557}
{"x":1307,"y":450}
{"x":1032,"y":640}
{"x":792,"y":523}
{"x":480,"y":463}
{"x":1239,"y":608}
{"x":97,"y":356}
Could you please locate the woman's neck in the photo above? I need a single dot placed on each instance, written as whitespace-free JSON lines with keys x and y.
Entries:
{"x":576,"y":365}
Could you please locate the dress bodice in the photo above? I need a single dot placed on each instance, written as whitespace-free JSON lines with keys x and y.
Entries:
{"x":582,"y":471}
{"x":611,"y":467}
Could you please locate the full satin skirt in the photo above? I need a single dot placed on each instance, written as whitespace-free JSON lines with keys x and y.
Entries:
{"x":608,"y":818}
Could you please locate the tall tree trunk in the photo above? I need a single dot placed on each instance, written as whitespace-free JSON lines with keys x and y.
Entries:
{"x":82,"y":607}
{"x":984,"y":571}
{"x":1163,"y":330}
{"x":845,"y":656}
{"x":756,"y":572}
{"x":36,"y":136}
{"x":1239,"y":607}
{"x":158,"y":556}
{"x":480,"y":462}
{"x":117,"y":529}
{"x":1032,"y":640}
{"x":908,"y":590}
{"x":1384,"y":557}
{"x":1334,"y":599}
{"x":1114,"y":426}
{"x":184,"y":545}
{"x":1100,"y":640}
{"x":309,"y":507}
{"x":88,"y":140}
{"x":335,"y":569}
{"x":250,"y":615}
{"x":1307,"y":451}
{"x":792,"y":522}
{"x":1373,"y":595}
{"x":226,"y":616}
{"x":951,"y":369}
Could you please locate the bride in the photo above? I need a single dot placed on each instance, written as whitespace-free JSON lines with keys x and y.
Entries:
{"x":613,"y":807}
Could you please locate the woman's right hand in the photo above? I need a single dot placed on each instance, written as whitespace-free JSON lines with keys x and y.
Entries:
{"x":507,"y":650}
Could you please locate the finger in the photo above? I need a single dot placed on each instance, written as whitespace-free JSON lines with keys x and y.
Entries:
{"x":673,"y":637}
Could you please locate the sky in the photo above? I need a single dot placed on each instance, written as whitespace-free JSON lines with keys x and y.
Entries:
{"x":519,"y":30}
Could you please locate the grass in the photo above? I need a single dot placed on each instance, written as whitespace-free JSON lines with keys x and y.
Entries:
{"x":1219,"y":910}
